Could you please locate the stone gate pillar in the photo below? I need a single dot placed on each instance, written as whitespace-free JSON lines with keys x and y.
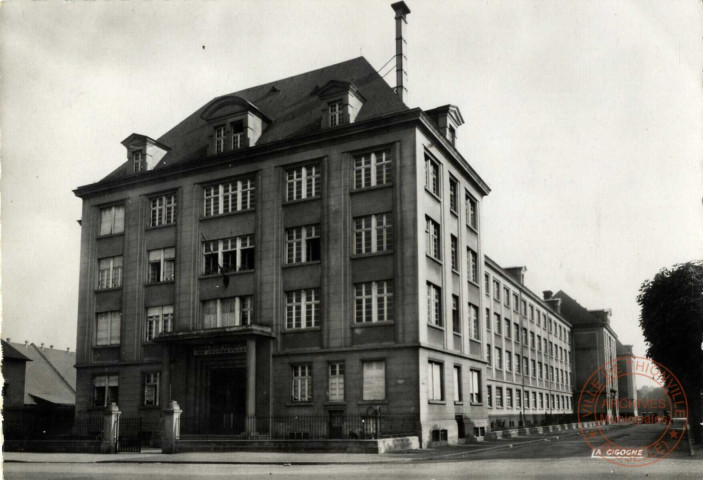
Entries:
{"x":111,"y":429}
{"x":172,"y":427}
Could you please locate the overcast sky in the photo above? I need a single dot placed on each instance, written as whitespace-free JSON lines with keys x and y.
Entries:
{"x":583,"y":117}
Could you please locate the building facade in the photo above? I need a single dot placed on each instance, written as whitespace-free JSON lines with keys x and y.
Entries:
{"x":307,"y":246}
{"x":529,"y":372}
{"x":627,"y":381}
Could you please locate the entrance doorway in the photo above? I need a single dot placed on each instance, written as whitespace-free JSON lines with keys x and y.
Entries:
{"x":228,"y":393}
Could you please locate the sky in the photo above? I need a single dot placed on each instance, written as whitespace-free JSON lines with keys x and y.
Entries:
{"x":583,"y":117}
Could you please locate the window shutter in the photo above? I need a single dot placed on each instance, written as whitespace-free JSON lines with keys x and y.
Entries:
{"x":374,"y":380}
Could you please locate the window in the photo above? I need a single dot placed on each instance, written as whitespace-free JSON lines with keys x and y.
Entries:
{"x":532,"y":339}
{"x":105,"y":390}
{"x":539,"y":319}
{"x":471,"y":212}
{"x":335,"y":110}
{"x":507,"y":329}
{"x":518,"y":399}
{"x":434,"y":305}
{"x":303,"y":244}
{"x":138,"y":161}
{"x":228,"y":312}
{"x":158,"y":319}
{"x":220,"y":139}
{"x":303,"y":308}
{"x":487,"y":284}
{"x":373,"y":233}
{"x":506,"y":297}
{"x":526,"y":366}
{"x":107,"y":331}
{"x":539,"y":342}
{"x":431,"y":175}
{"x":432,"y":238}
{"x":508,"y":398}
{"x":436,"y":382}
{"x":163,"y":210}
{"x":532,"y":313}
{"x":373,"y":302}
{"x":473,"y":266}
{"x":111,"y":220}
{"x":301,"y":386}
{"x":456,"y":319}
{"x":151,"y":389}
{"x":373,"y":169}
{"x":302,"y":182}
{"x":516,"y":329}
{"x":496,"y":290}
{"x":534,"y":400}
{"x":109,"y":272}
{"x":453,"y":204}
{"x":498,"y":330}
{"x":458,"y":396}
{"x":474,"y":322}
{"x":541,"y":372}
{"x":516,"y":303}
{"x":234,"y":254}
{"x":527,"y":399}
{"x":499,"y":358}
{"x":489,"y":357}
{"x":451,"y":135}
{"x":335,"y":387}
{"x":374,"y":381}
{"x":233,"y":196}
{"x":237,"y":135}
{"x":488,"y":319}
{"x":517,"y":363}
{"x":541,"y":400}
{"x":499,"y":397}
{"x":161,"y":265}
{"x":489,"y":391}
{"x":455,"y":254}
{"x":475,"y":386}
{"x":534,"y":368}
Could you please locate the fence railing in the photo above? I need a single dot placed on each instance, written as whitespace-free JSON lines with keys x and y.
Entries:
{"x":300,"y":427}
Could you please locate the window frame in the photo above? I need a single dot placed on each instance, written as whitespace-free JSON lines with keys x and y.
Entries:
{"x":159,"y":321}
{"x":367,"y":166}
{"x":302,"y":243}
{"x":244,"y":247}
{"x":380,"y":227}
{"x":160,"y":213}
{"x":116,"y":221}
{"x":435,"y":367}
{"x":301,"y":383}
{"x":433,"y":176}
{"x":471,"y":211}
{"x":221,"y":198}
{"x":433,"y":239}
{"x":457,"y":387}
{"x":310,"y":179}
{"x":112,"y":270}
{"x":114,"y":316}
{"x":148,"y":381}
{"x":474,"y":322}
{"x":434,"y":305}
{"x":475,"y":396}
{"x":453,"y":195}
{"x":387,"y":296}
{"x":472,"y":263}
{"x":308,"y":307}
{"x":243,"y":313}
{"x":107,"y":400}
{"x":162,"y":262}
{"x":339,"y":379}
{"x":364,"y":384}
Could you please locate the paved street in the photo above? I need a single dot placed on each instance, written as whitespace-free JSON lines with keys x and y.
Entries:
{"x":556,"y":456}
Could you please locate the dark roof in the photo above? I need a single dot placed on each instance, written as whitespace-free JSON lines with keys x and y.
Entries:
{"x":291,"y":104}
{"x":50,"y":375}
{"x":10,"y":352}
{"x":572,"y":310}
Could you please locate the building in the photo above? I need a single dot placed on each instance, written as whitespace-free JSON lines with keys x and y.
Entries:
{"x":38,"y":391}
{"x":310,"y":246}
{"x":627,"y":384}
{"x":594,"y":349}
{"x":529,"y":371}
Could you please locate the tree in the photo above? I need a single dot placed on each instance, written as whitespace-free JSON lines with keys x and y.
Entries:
{"x":671,"y":318}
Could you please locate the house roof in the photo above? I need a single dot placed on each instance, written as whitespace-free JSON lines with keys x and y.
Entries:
{"x":10,"y":352}
{"x":291,"y":105}
{"x":50,"y":376}
{"x":571,"y":309}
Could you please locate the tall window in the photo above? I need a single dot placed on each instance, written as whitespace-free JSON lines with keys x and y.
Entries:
{"x":431,"y":175}
{"x":506,"y":297}
{"x":374,"y":380}
{"x":302,"y":182}
{"x":138,"y":161}
{"x":301,"y":386}
{"x":373,"y":233}
{"x":335,"y":113}
{"x":474,"y":322}
{"x":489,"y":391}
{"x":303,"y":308}
{"x":516,"y":329}
{"x":373,"y":301}
{"x":335,"y":387}
{"x":496,"y":290}
{"x":432,"y":238}
{"x":220,"y":139}
{"x":455,"y":255}
{"x":526,"y":366}
{"x":508,"y":361}
{"x":229,"y":197}
{"x":105,"y":390}
{"x":489,"y":355}
{"x":471,"y":212}
{"x":516,"y":304}
{"x":372,"y":169}
{"x":158,"y":319}
{"x":498,"y":329}
{"x":434,"y":305}
{"x":151,"y":389}
{"x":110,"y":272}
{"x":228,"y":312}
{"x":163,"y":210}
{"x":453,"y":203}
{"x":458,"y":394}
{"x":472,"y":259}
{"x":499,"y":358}
{"x":161,"y":265}
{"x":507,"y":329}
{"x":533,"y":365}
{"x":456,"y":319}
{"x":234,"y":254}
{"x":475,"y":386}
{"x":527,"y":399}
{"x":534,"y":400}
{"x":237,"y":135}
{"x":509,"y":398}
{"x":303,"y":244}
{"x":518,"y":369}
{"x":112,"y":220}
{"x":436,"y":381}
{"x":499,"y":397}
{"x":107,"y":331}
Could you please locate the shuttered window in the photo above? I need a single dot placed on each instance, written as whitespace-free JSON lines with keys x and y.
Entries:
{"x":374,"y":382}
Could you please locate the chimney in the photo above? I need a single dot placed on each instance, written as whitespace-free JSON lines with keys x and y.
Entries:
{"x":401,"y":10}
{"x":547,"y":294}
{"x":51,"y":346}
{"x":25,"y":343}
{"x":42,"y":345}
{"x":8,"y":339}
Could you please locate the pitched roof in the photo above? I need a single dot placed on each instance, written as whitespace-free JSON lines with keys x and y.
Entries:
{"x":10,"y":352}
{"x":291,"y":104}
{"x":50,"y":375}
{"x":572,"y":310}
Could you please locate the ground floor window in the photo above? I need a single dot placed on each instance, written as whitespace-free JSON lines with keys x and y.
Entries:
{"x":151,"y":389}
{"x":105,"y":390}
{"x":475,"y":386}
{"x":435,"y":383}
{"x":499,"y":397}
{"x":374,"y":380}
{"x":489,"y":392}
{"x":335,"y":390}
{"x":302,"y":383}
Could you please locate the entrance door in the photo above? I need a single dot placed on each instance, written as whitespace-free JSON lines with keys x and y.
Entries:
{"x":336,"y":424}
{"x":228,"y":393}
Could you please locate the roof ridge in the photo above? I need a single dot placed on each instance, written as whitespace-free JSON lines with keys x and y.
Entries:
{"x":46,"y":359}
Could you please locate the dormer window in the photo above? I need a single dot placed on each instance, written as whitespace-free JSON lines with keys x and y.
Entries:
{"x":138,"y":161}
{"x":335,"y":113}
{"x":237,"y":135}
{"x":219,"y":139}
{"x":451,"y":135}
